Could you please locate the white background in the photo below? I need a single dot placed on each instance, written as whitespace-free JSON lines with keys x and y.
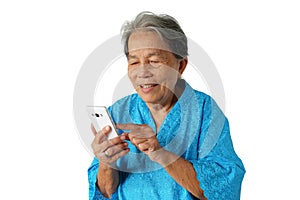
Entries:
{"x":255,"y":46}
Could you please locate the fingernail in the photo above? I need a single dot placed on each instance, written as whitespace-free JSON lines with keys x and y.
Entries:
{"x":107,"y":128}
{"x":122,"y":137}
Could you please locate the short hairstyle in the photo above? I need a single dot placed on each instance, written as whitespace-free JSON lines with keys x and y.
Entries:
{"x":164,"y":25}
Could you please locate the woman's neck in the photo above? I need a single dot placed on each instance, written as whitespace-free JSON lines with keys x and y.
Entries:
{"x":160,"y":111}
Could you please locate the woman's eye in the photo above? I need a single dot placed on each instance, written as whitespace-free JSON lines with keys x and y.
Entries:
{"x":133,"y":63}
{"x":154,"y":61}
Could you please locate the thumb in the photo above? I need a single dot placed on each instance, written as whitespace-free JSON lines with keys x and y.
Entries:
{"x":106,"y":130}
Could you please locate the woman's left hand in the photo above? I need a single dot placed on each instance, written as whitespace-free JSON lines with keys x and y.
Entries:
{"x":143,"y":137}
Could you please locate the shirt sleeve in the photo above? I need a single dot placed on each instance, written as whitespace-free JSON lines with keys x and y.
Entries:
{"x":94,"y":192}
{"x":218,"y":168}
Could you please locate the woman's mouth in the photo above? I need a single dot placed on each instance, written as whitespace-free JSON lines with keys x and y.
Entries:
{"x":147,"y":87}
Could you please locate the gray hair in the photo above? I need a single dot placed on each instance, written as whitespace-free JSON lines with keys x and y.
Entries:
{"x":165,"y":26}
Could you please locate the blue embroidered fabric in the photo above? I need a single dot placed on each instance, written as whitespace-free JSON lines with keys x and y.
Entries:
{"x":197,"y":130}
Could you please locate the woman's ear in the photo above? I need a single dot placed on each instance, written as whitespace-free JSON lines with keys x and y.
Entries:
{"x":182,"y":65}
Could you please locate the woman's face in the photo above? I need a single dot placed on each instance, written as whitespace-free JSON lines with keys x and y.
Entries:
{"x":152,"y":68}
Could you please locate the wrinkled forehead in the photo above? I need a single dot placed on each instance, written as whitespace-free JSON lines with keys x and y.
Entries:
{"x":143,"y":40}
{"x":149,"y":52}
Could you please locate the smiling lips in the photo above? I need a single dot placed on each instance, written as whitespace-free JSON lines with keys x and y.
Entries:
{"x":147,"y":87}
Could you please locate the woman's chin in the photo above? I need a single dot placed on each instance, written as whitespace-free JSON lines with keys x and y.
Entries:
{"x":150,"y":100}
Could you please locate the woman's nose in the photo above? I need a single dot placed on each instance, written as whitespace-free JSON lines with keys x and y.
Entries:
{"x":143,"y":71}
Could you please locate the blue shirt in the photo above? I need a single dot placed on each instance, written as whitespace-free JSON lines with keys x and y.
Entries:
{"x":197,"y":130}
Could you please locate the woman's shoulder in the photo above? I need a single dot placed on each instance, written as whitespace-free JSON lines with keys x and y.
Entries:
{"x":191,"y":93}
{"x":208,"y":103}
{"x":202,"y":97}
{"x":201,"y":94}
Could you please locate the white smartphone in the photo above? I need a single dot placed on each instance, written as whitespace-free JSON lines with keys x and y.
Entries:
{"x":100,"y":118}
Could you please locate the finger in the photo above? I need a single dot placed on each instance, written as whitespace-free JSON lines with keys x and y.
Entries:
{"x":131,"y":138}
{"x":109,"y":143}
{"x":138,"y":141}
{"x":111,"y":151}
{"x":124,"y":136}
{"x":112,"y":159}
{"x":98,"y":139}
{"x":138,"y":130}
{"x":100,"y":142}
{"x":128,"y":127}
{"x":144,"y":146}
{"x":144,"y":131}
{"x":99,"y":149}
{"x":93,"y":129}
{"x":102,"y":135}
{"x":143,"y":134}
{"x":106,"y":130}
{"x":115,"y":157}
{"x":116,"y":140}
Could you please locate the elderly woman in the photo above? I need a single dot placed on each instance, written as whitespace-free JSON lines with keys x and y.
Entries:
{"x":174,"y":141}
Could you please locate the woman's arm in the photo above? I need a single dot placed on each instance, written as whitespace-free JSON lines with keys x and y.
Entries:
{"x":181,"y":170}
{"x":107,"y":180}
{"x":108,"y":152}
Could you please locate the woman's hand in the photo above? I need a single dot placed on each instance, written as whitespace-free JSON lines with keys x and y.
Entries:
{"x":108,"y":151}
{"x":143,"y":137}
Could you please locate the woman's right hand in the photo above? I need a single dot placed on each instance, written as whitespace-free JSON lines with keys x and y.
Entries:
{"x":108,"y":151}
